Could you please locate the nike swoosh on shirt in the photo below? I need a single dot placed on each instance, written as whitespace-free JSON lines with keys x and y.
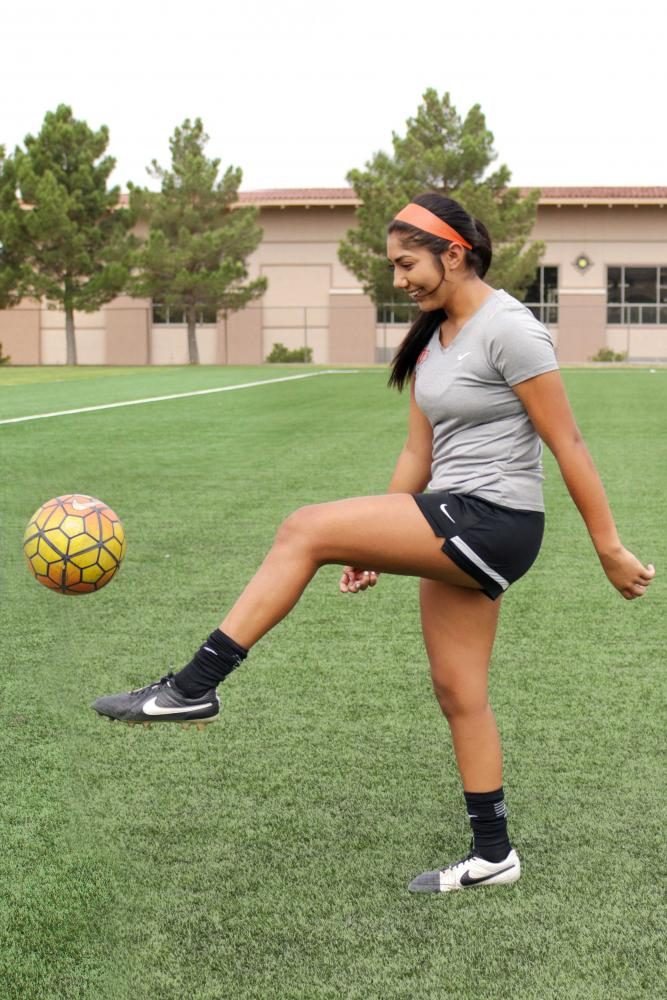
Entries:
{"x":460,"y":357}
{"x":152,"y":708}
{"x":466,"y":880}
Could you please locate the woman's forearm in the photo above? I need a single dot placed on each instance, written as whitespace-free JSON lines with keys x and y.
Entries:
{"x":586,"y":489}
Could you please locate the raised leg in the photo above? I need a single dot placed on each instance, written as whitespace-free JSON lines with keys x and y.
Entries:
{"x":385,"y":533}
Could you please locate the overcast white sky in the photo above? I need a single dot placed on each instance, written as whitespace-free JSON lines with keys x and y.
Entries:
{"x":297,"y":93}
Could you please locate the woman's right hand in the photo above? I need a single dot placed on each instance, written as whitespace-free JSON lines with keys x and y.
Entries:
{"x":354,"y":579}
{"x":627,"y":573}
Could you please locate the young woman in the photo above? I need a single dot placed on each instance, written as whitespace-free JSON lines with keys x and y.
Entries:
{"x":485,"y":389}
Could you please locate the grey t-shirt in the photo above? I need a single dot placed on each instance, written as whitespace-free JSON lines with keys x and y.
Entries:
{"x":483,"y":440}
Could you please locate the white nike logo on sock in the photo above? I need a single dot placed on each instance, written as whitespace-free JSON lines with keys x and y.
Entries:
{"x":152,"y":708}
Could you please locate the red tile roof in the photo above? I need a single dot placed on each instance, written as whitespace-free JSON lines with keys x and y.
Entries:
{"x":299,"y":194}
{"x":347,"y":195}
{"x":604,"y":192}
{"x":548,"y":195}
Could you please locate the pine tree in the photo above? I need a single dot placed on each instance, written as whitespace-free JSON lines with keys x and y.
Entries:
{"x":443,"y":153}
{"x":63,"y":233}
{"x":194,"y":258}
{"x":12,"y":249}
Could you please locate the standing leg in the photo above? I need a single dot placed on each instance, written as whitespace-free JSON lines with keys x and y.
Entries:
{"x":459,"y":628}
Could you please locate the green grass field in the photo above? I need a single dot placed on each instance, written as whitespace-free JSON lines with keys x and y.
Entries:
{"x":267,"y":858}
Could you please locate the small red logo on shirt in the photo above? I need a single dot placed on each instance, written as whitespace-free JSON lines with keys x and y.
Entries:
{"x":423,"y":356}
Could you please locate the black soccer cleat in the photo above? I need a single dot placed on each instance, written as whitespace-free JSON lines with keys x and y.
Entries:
{"x":160,"y":701}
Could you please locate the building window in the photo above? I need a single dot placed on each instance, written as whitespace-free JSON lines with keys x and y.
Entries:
{"x":637,"y":295}
{"x":542,"y":296}
{"x":172,"y":316}
{"x":396,"y":312}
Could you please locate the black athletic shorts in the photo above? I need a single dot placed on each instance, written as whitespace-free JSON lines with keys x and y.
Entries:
{"x":495,"y":545}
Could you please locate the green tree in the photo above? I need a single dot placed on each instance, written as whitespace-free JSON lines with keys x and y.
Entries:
{"x":195,"y":255}
{"x":10,"y":250}
{"x":63,"y":233}
{"x":441,"y":152}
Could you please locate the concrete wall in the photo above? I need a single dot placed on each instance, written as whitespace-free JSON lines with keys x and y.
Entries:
{"x":640,"y":343}
{"x":240,"y":338}
{"x":297,"y":325}
{"x":128,"y":327}
{"x":169,"y":344}
{"x":351,"y":328}
{"x":581,"y":325}
{"x":312,"y":300}
{"x":20,"y":333}
{"x":90,"y":335}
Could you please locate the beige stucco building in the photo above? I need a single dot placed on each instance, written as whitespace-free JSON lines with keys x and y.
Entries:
{"x":602,"y":283}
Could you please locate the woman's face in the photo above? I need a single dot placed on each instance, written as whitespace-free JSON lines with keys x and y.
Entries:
{"x":418,"y":273}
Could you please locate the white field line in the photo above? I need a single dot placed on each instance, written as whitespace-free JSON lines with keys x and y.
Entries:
{"x":178,"y":395}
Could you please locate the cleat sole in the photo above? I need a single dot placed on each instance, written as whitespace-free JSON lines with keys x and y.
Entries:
{"x":199,"y":724}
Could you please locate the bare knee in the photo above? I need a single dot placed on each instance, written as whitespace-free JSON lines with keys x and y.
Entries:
{"x":299,"y":529}
{"x":456,"y":701}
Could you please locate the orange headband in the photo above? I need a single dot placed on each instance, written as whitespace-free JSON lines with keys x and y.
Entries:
{"x":422,"y":219}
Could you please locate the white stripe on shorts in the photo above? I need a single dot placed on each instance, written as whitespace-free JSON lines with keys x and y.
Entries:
{"x":474,"y":558}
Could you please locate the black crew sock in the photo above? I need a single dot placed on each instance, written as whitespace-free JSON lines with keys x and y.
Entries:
{"x":213,"y":661}
{"x":488,"y":818}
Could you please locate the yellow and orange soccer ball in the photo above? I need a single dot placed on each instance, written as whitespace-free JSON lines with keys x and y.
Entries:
{"x":74,"y":544}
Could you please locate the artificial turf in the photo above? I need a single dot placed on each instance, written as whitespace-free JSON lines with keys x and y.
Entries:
{"x":267,"y":859}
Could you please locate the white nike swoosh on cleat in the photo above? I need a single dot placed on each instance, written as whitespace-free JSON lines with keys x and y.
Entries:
{"x":152,"y":708}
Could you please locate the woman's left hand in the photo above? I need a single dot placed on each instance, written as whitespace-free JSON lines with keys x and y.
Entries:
{"x":354,"y":579}
{"x":630,"y":577}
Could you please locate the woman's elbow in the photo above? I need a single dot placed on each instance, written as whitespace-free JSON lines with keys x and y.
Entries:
{"x":566,"y":443}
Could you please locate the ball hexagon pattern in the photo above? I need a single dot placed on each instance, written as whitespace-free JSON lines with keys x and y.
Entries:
{"x":74,"y":544}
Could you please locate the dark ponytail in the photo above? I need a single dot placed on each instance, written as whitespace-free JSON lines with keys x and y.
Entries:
{"x":478,"y":260}
{"x":414,"y":342}
{"x":481,"y":254}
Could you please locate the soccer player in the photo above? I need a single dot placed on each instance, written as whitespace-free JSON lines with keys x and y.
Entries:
{"x":464,"y":512}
